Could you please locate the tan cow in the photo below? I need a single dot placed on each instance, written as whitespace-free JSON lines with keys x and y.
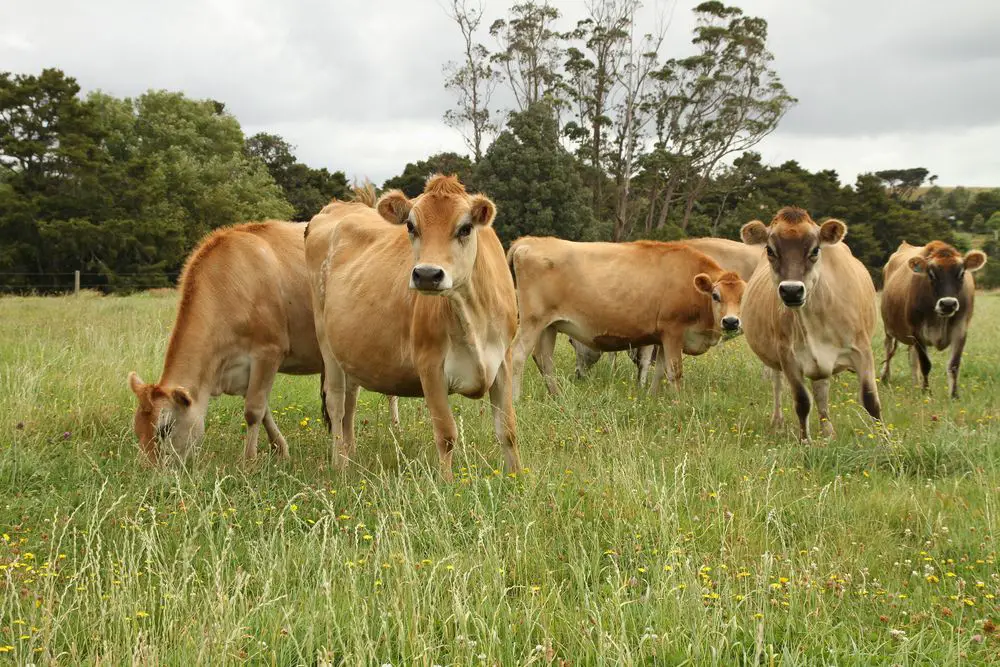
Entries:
{"x":809,"y":312}
{"x":245,"y":314}
{"x":414,"y":299}
{"x":927,"y":300}
{"x":730,"y":255}
{"x":616,"y":296}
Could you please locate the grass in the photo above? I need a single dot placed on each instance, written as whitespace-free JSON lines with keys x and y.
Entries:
{"x":643,"y":531}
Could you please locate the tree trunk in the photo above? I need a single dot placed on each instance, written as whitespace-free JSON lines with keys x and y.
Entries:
{"x":665,"y":209}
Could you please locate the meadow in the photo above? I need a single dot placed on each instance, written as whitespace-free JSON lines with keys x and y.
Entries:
{"x":644,"y":530}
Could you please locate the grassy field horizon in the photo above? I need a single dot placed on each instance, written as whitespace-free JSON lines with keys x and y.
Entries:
{"x":644,"y":530}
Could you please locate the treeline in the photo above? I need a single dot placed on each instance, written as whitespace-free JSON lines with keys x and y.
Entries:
{"x":606,"y":140}
{"x":123,"y":188}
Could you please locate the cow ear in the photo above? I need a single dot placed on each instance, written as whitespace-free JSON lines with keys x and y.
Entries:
{"x":832,"y":231}
{"x":181,"y":397}
{"x":917,"y":264}
{"x":135,"y":383}
{"x":754,"y":233}
{"x":974,"y":260}
{"x":703,"y":283}
{"x":482,"y":211}
{"x":394,"y":206}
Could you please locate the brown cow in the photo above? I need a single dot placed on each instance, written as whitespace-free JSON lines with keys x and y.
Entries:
{"x":245,"y":314}
{"x":616,"y":296}
{"x":927,"y":300}
{"x":424,"y":306}
{"x":730,"y":255}
{"x":809,"y":312}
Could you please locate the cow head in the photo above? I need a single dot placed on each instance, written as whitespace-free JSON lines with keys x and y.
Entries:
{"x":166,"y":419}
{"x":794,"y":246}
{"x":443,"y":225}
{"x":727,"y":295}
{"x":945,"y":268}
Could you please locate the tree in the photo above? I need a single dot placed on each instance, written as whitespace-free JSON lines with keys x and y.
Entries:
{"x":592,"y":76}
{"x":473,"y":79}
{"x":415,"y":174}
{"x":49,"y":155}
{"x":122,"y":188}
{"x":533,"y":180}
{"x":717,"y":103}
{"x":306,"y":189}
{"x":902,"y":183}
{"x":529,"y":52}
{"x":993,"y":224}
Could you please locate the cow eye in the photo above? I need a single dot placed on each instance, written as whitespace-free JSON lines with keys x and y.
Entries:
{"x":410,"y":228}
{"x":464,"y":231}
{"x":814,"y":255}
{"x":931,"y":274}
{"x":716,"y":296}
{"x":770,"y":252}
{"x":961,"y":274}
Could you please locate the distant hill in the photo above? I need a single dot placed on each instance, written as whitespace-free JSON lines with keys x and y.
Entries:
{"x":919,"y":192}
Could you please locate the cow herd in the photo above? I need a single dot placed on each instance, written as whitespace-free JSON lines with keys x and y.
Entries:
{"x":416,"y":297}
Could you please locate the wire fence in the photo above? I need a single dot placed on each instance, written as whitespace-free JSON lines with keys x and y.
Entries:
{"x":72,"y":282}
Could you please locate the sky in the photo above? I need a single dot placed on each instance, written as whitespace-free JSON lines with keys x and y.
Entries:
{"x":358,"y":86}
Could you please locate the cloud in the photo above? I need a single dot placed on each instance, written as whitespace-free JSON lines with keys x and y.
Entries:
{"x":358,"y":86}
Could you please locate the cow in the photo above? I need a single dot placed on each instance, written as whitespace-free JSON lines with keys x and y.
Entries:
{"x":617,"y":296}
{"x":927,"y":300}
{"x":245,"y":314}
{"x":730,"y":255}
{"x":809,"y":312}
{"x":414,"y":298}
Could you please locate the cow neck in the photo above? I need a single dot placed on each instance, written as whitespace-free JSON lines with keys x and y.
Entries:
{"x":462,"y":323}
{"x":192,"y":360}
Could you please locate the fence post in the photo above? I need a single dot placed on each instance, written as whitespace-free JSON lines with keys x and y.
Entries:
{"x":76,"y":282}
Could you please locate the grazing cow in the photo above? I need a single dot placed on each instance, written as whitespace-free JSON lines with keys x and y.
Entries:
{"x":809,"y":312}
{"x":616,"y":296}
{"x":245,"y":314}
{"x":927,"y":300}
{"x":730,"y":255}
{"x":424,"y":306}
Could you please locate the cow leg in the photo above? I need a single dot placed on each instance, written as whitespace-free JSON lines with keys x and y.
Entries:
{"x":543,"y":356}
{"x":585,"y":357}
{"x":445,"y":431}
{"x":890,"y":350}
{"x":262,"y":372}
{"x":954,"y":363}
{"x":777,"y":418}
{"x":864,"y":366}
{"x":394,"y":411}
{"x":351,"y":391}
{"x":523,"y":345}
{"x":334,"y":396}
{"x":800,"y":396}
{"x":671,"y":359}
{"x":504,"y":420}
{"x":278,"y":443}
{"x":821,"y":391}
{"x":643,"y":360}
{"x":925,"y":365}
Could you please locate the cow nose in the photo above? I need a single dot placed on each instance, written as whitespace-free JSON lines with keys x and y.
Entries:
{"x":427,"y":276}
{"x":947,"y":306}
{"x":730,"y":323}
{"x":792,"y":292}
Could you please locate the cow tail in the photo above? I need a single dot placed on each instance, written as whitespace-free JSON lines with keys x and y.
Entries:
{"x":511,"y":256}
{"x":322,"y":399}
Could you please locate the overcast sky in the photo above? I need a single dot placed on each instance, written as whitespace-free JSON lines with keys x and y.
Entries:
{"x":357,"y":86}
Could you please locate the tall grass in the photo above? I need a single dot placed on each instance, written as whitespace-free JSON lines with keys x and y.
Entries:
{"x":643,"y":531}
